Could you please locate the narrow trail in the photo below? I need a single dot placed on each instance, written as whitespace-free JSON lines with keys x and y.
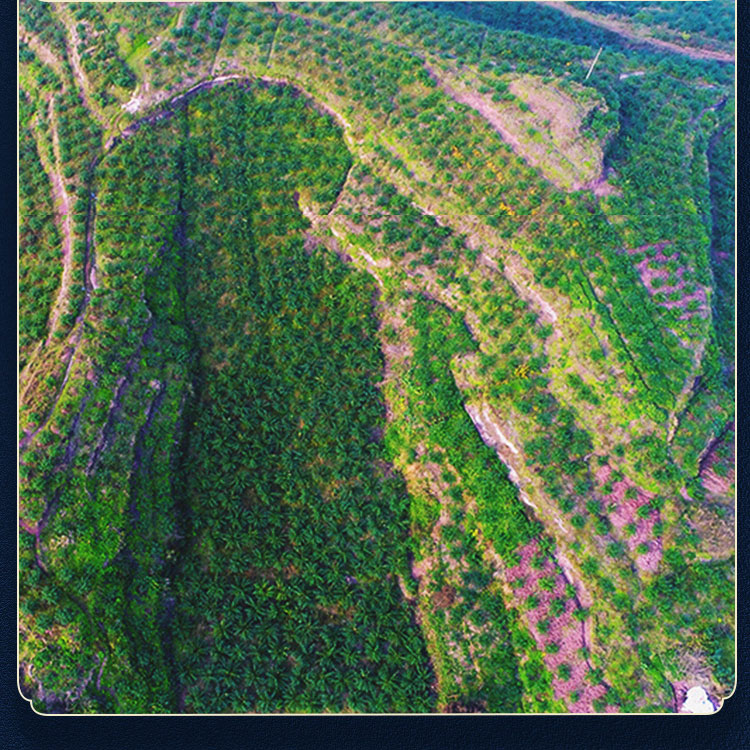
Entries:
{"x":710,"y":447}
{"x":63,"y":220}
{"x":486,"y":424}
{"x":514,"y":272}
{"x":684,"y":397}
{"x":84,"y":86}
{"x":26,"y":440}
{"x":622,"y":340}
{"x":489,"y":430}
{"x":481,"y":43}
{"x":716,"y":256}
{"x":624,"y":29}
{"x":217,"y":55}
{"x":74,"y":338}
{"x":474,"y":101}
{"x":60,"y":197}
{"x":275,"y":34}
{"x":64,"y":215}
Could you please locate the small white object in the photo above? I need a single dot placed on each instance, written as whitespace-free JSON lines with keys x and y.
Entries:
{"x":593,"y":63}
{"x":697,"y":702}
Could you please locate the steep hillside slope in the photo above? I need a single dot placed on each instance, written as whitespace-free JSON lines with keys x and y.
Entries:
{"x":356,"y":336}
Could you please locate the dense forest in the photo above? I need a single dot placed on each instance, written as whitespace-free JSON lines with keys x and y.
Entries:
{"x":375,"y":357}
{"x":231,"y":344}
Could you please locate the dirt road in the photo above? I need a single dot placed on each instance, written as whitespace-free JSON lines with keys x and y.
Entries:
{"x":625,"y":29}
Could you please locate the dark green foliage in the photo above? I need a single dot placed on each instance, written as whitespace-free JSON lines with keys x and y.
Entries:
{"x":258,"y":362}
{"x":721,"y":158}
{"x":99,"y":52}
{"x":440,"y":336}
{"x":38,"y":17}
{"x":223,"y":531}
{"x":693,"y":597}
{"x":294,"y":481}
{"x":38,"y":242}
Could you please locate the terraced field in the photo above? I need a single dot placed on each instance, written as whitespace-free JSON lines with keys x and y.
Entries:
{"x":374,"y":358}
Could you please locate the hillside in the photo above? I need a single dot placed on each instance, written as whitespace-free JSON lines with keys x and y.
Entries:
{"x":375,"y":358}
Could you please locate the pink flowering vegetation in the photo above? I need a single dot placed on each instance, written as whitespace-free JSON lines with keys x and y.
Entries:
{"x":549,"y":605}
{"x":634,"y":517}
{"x":670,"y":284}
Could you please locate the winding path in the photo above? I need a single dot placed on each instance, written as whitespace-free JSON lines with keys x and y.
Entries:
{"x":64,"y":215}
{"x":75,"y":61}
{"x":63,"y":220}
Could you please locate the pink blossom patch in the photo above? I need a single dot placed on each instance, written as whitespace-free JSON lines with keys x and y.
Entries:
{"x":564,"y":629}
{"x":650,"y":274}
{"x":713,"y":482}
{"x":625,"y":512}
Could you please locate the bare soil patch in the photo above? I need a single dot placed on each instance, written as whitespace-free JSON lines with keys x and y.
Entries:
{"x":547,"y":134}
{"x":41,"y":50}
